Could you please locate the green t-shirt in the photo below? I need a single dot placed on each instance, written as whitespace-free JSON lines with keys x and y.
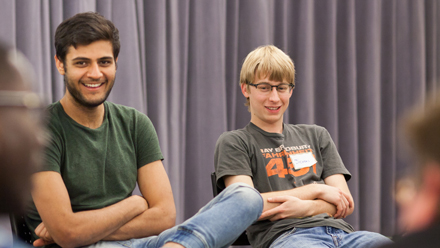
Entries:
{"x":301,"y":155}
{"x":98,"y":166}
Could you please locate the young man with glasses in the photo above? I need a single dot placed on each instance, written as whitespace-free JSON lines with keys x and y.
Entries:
{"x":100,"y":150}
{"x":296,"y":168}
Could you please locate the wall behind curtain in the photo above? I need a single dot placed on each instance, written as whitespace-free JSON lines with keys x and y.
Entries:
{"x":360,"y":65}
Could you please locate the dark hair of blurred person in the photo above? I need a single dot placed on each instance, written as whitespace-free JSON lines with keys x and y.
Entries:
{"x":19,"y":131}
{"x":418,"y":195}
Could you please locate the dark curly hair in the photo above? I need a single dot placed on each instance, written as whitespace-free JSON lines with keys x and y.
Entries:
{"x":83,"y":29}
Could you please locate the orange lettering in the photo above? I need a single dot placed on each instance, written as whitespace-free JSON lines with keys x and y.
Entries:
{"x":276,"y":167}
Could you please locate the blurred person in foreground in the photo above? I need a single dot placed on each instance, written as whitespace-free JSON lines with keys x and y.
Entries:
{"x":418,"y":195}
{"x":19,"y":145}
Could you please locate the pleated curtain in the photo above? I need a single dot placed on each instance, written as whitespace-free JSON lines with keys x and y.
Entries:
{"x":360,"y":66}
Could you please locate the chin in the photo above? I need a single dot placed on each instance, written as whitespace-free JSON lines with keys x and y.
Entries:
{"x":95,"y":103}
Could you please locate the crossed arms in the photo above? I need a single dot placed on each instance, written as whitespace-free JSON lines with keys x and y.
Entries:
{"x":333,"y":198}
{"x":133,"y":217}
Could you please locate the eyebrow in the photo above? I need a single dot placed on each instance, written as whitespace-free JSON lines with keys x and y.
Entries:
{"x":85,"y":58}
{"x":271,"y":84}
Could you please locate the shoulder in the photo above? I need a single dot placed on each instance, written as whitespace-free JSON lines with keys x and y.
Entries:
{"x":54,"y":116}
{"x":236,"y":140}
{"x":53,"y":106}
{"x":234,"y":136}
{"x":125,"y":113}
{"x":309,"y":129}
{"x":54,"y":109}
{"x":118,"y":108}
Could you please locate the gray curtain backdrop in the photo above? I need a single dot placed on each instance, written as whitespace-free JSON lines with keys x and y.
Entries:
{"x":360,"y":65}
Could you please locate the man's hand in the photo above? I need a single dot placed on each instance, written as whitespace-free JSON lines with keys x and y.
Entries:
{"x":291,"y":207}
{"x":45,"y":237}
{"x":337,"y":197}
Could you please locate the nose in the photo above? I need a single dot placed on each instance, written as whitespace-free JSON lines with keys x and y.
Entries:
{"x":273,"y":95}
{"x":94,"y":71}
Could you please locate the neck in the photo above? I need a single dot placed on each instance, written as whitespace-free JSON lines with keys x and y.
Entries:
{"x":270,"y":127}
{"x":88,"y":117}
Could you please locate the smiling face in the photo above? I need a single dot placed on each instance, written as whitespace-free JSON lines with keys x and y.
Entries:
{"x":89,"y":73}
{"x":267,"y":108}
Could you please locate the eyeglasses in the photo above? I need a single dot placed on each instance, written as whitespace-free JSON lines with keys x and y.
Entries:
{"x":266,"y":87}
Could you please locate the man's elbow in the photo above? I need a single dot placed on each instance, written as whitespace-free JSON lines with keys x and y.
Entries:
{"x":165,"y":218}
{"x":170,"y":222}
{"x":70,"y":236}
{"x":170,"y":218}
{"x":67,"y":238}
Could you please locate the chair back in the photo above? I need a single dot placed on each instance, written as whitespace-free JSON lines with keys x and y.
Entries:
{"x":19,"y":228}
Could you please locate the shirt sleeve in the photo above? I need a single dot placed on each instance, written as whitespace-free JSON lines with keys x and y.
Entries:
{"x":53,"y":149}
{"x":231,"y":157}
{"x":332,"y":160}
{"x":147,"y":142}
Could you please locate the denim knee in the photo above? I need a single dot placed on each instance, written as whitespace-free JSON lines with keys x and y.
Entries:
{"x":248,"y":196}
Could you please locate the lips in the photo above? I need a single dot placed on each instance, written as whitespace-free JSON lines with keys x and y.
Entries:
{"x":93,"y":85}
{"x":273,"y":108}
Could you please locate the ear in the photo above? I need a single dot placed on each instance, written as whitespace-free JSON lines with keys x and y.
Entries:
{"x":59,"y":65}
{"x":244,"y":90}
{"x":291,"y":92}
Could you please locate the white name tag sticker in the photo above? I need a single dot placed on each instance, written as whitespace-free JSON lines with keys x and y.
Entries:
{"x":302,"y":160}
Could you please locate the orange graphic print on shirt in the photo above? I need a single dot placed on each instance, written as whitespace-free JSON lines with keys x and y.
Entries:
{"x":275,"y":166}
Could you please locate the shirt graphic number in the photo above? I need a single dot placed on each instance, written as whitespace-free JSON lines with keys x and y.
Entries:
{"x":276,"y":167}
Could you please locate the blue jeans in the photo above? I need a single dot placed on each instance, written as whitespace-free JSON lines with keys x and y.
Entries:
{"x":217,"y":224}
{"x":326,"y":236}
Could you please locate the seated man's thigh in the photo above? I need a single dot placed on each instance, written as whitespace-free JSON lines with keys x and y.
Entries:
{"x":131,"y":243}
{"x":304,"y":238}
{"x":364,"y":239}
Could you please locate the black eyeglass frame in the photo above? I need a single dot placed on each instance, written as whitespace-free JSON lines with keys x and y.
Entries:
{"x":291,"y":85}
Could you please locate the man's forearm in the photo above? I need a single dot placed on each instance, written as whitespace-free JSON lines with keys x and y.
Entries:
{"x":293,"y":207}
{"x":88,"y":227}
{"x":321,"y":206}
{"x":333,"y":200}
{"x":151,"y":222}
{"x":161,"y":211}
{"x":306,"y":192}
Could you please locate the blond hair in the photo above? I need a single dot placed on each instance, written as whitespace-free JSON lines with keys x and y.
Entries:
{"x":267,"y":61}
